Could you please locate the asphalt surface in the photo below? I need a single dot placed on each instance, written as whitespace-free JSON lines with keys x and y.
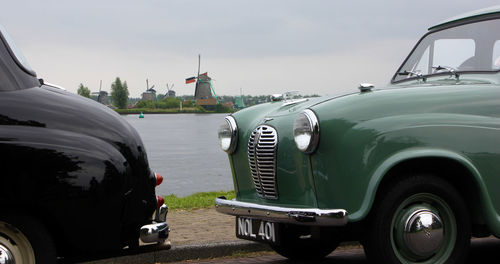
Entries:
{"x":194,"y":234}
{"x":484,"y":250}
{"x":205,"y":236}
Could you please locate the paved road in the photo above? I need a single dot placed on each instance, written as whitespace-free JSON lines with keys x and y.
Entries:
{"x":485,"y":250}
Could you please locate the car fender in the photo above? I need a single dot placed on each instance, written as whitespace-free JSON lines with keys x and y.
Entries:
{"x":74,"y":182}
{"x":410,"y":154}
{"x":489,"y":212}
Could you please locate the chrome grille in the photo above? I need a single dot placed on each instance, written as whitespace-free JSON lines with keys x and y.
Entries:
{"x":262,"y":159}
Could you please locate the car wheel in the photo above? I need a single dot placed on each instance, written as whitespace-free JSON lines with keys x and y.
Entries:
{"x":297,"y":245}
{"x":421,"y":219}
{"x":24,"y":240}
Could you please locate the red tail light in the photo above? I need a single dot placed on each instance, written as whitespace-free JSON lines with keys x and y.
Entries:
{"x":160,"y":201}
{"x":159,"y":179}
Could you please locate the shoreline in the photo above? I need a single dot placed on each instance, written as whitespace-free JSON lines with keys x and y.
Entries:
{"x":164,"y":111}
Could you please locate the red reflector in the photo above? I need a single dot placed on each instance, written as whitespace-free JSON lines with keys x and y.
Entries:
{"x":160,"y":201}
{"x":159,"y":179}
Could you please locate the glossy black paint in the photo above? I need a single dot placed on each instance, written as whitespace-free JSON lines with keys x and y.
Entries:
{"x":71,"y":163}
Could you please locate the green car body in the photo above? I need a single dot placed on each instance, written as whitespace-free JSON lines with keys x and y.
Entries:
{"x":445,"y":123}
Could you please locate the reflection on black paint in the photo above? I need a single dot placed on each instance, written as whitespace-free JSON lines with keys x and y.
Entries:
{"x":7,"y":121}
{"x":54,"y":172}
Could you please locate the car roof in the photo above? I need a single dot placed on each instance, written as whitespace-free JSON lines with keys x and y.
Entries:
{"x":489,"y":12}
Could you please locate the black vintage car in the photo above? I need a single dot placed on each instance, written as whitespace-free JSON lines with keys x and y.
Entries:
{"x":74,"y":175}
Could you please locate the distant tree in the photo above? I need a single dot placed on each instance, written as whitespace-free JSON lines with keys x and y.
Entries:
{"x":83,"y":91}
{"x":169,"y":102}
{"x":146,"y":104}
{"x":220,"y":108}
{"x":119,"y":93}
{"x":188,"y":103}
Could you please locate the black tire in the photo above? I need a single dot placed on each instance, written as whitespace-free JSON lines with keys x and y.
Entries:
{"x":400,"y":230}
{"x":26,"y":239}
{"x":295,"y":244}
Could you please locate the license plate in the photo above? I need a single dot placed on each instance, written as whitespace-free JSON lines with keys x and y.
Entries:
{"x":257,"y":230}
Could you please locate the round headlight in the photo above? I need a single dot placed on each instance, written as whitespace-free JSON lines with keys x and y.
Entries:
{"x":306,"y":131}
{"x":228,"y":134}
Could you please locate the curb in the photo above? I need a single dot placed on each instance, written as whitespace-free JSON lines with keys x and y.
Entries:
{"x":187,"y":252}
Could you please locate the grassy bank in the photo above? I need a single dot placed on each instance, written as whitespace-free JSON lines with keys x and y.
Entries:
{"x":197,"y":200}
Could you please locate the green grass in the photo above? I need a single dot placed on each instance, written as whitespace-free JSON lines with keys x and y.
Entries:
{"x":196,"y":201}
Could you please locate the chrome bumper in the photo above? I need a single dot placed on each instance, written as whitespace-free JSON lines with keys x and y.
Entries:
{"x":299,"y":216}
{"x":158,"y":231}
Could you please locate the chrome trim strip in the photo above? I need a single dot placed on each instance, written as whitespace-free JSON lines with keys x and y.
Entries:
{"x":295,"y":101}
{"x":54,"y":85}
{"x":299,"y":216}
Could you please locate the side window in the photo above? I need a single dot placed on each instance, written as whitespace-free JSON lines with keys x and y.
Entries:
{"x":496,"y":56}
{"x":455,"y":53}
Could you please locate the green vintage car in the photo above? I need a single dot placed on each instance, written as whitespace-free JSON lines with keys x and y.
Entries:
{"x":411,"y":170}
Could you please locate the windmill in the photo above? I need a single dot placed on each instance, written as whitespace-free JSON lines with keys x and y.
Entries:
{"x":150,"y":89}
{"x":170,"y":91}
{"x":102,"y":96}
{"x":204,"y":93}
{"x":149,"y":94}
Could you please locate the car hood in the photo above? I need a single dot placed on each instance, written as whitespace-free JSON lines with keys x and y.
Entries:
{"x":285,"y":107}
{"x":385,"y":100}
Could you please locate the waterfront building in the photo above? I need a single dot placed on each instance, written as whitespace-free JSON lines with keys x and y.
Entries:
{"x":170,"y":93}
{"x":149,"y":95}
{"x":101,"y":97}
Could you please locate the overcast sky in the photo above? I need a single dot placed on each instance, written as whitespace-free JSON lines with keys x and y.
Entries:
{"x":260,"y":47}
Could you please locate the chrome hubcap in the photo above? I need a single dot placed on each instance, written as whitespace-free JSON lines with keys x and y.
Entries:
{"x":423,"y":233}
{"x":6,"y":256}
{"x":14,"y":246}
{"x":423,"y":230}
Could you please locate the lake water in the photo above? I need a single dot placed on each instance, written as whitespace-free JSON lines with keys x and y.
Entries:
{"x":184,"y":149}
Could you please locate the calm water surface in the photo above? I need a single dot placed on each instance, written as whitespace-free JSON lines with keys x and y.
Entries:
{"x":184,"y":149}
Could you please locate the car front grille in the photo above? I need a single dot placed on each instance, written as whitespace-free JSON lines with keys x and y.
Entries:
{"x":262,"y":159}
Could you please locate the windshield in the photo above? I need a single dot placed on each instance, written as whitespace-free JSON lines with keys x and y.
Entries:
{"x":467,"y":48}
{"x":15,"y":74}
{"x":16,"y":52}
